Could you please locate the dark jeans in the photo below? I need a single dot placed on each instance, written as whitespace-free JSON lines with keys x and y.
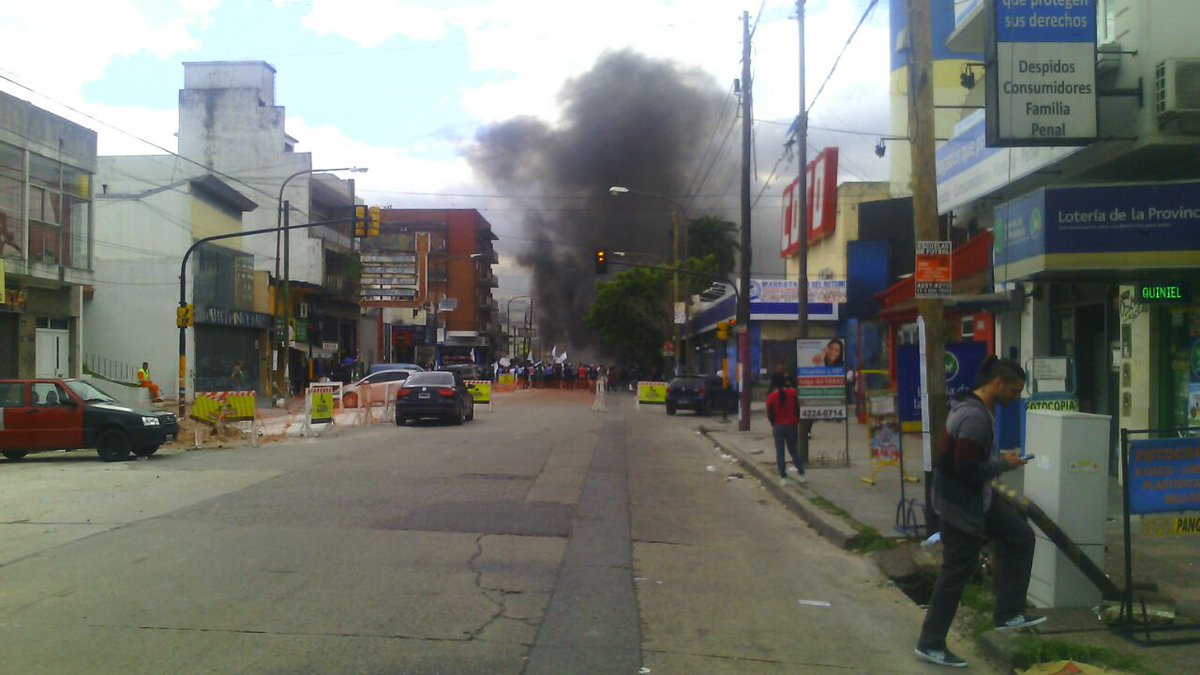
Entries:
{"x":786,"y":434}
{"x":1012,"y":544}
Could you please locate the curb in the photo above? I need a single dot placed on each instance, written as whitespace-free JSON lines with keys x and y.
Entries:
{"x":833,"y":528}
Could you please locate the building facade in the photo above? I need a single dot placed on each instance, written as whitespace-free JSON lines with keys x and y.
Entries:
{"x":46,"y":169}
{"x":146,"y":219}
{"x":450,"y":316}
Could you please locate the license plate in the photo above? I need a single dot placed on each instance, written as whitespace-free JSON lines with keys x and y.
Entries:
{"x":685,"y":401}
{"x":423,"y":396}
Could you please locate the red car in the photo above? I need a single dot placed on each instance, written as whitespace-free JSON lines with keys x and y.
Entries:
{"x":38,"y":415}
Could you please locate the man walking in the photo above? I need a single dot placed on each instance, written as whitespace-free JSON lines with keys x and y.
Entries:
{"x":962,"y":496}
{"x":783,"y":411}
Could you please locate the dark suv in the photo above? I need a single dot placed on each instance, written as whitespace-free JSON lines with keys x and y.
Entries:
{"x":700,"y":393}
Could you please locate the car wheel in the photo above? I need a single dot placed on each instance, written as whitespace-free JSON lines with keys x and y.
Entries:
{"x":146,"y":451}
{"x":112,"y":445}
{"x":471,"y":415}
{"x":460,"y":416}
{"x":670,"y":409}
{"x":350,"y":401}
{"x":15,"y":454}
{"x":400,"y":420}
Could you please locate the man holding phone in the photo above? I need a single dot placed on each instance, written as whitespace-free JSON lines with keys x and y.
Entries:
{"x":971,"y":517}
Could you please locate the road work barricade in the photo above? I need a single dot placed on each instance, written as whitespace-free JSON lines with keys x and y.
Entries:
{"x":318,"y":406}
{"x":376,"y":402}
{"x":481,"y":392}
{"x":218,"y":408}
{"x":653,"y":393}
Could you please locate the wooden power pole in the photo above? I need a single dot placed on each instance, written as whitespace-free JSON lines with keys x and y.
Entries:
{"x":921,"y":134}
{"x":743,"y":307}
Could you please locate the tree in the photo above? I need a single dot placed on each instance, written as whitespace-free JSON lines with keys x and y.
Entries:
{"x":631,"y":312}
{"x":710,"y":235}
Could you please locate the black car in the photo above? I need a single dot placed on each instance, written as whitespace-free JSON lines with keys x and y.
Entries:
{"x":699,"y":393}
{"x":438,"y":394}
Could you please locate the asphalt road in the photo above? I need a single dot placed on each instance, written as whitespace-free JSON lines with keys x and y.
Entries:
{"x":543,"y":537}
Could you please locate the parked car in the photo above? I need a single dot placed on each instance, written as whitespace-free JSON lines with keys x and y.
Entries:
{"x":467,"y":371}
{"x":438,"y":394}
{"x":351,"y":393}
{"x":701,"y":393}
{"x":55,"y":414}
{"x":377,"y":367}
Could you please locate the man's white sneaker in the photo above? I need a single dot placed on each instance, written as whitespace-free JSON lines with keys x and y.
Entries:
{"x":1021,"y":621}
{"x":942,"y":657}
{"x":802,"y":478}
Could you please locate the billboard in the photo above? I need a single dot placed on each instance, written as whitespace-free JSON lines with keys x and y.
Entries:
{"x":821,"y":176}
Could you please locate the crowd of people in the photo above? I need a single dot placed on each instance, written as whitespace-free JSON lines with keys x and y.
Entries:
{"x":542,"y":375}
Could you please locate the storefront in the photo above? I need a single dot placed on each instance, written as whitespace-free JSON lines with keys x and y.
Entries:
{"x":223,"y":337}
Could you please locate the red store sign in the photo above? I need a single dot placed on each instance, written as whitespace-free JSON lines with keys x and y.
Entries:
{"x":822,"y":174}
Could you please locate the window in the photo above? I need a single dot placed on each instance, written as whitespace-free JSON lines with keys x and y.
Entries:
{"x":47,"y":394}
{"x":12,"y":395}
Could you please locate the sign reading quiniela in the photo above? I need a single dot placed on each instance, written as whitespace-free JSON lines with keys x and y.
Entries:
{"x":1043,"y":88}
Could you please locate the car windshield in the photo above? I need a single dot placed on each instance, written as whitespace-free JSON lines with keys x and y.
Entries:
{"x":89,"y":393}
{"x":436,"y":379}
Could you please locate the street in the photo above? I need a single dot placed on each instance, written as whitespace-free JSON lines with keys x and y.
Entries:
{"x":542,"y":537}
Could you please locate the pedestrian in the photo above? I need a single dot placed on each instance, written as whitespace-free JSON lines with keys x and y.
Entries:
{"x":143,"y":376}
{"x":783,"y":412}
{"x":971,"y":516}
{"x":237,"y":374}
{"x":779,"y":377}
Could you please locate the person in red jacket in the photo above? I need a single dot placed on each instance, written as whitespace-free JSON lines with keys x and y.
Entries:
{"x":783,"y":411}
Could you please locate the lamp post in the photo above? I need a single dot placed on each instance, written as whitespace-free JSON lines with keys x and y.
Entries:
{"x":508,"y":319}
{"x":676,"y":237}
{"x":282,"y":220}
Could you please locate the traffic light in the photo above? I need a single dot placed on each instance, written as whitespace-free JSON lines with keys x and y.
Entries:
{"x":601,"y":261}
{"x":360,"y":221}
{"x":184,"y":317}
{"x":373,"y":219}
{"x":722,"y":330}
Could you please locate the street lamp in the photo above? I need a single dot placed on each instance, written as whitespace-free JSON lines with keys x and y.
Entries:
{"x":675,"y":242}
{"x":508,"y":319}
{"x":282,"y":220}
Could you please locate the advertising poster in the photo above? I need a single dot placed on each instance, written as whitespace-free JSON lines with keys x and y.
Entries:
{"x":1164,"y":475}
{"x":821,"y":378}
{"x":883,"y":430}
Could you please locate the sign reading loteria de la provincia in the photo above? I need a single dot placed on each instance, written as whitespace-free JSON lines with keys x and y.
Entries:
{"x":1042,"y":89}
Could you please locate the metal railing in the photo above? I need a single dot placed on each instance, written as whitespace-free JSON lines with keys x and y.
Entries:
{"x":110,"y":368}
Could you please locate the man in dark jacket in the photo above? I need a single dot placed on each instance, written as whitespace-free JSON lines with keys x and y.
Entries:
{"x":962,"y":496}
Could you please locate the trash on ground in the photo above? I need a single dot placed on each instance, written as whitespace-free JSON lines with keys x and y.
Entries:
{"x":933,"y":539}
{"x":756,"y":452}
{"x":815,"y":603}
{"x":738,"y":475}
{"x":1157,"y":613}
{"x":710,"y":467}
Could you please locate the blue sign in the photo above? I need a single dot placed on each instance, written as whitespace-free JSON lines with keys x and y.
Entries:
{"x":963,"y":360}
{"x":1111,"y":227}
{"x":1164,"y":475}
{"x":1045,"y":20}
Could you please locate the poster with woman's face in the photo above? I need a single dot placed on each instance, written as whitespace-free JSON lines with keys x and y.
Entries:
{"x":823,"y":355}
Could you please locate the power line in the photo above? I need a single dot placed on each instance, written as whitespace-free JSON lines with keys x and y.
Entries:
{"x":838,"y":60}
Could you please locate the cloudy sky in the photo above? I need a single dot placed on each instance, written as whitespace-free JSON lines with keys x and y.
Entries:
{"x":403,"y":87}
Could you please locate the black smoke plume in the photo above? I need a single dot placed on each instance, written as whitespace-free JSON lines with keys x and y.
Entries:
{"x":649,"y":125}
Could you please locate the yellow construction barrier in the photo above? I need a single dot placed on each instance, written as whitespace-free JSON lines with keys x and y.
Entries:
{"x":652,"y":392}
{"x":214,"y":407}
{"x":481,"y":391}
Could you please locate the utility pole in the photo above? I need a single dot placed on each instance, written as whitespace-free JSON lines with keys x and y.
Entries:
{"x":801,"y":219}
{"x":925,"y":221}
{"x":743,"y":307}
{"x":675,"y":325}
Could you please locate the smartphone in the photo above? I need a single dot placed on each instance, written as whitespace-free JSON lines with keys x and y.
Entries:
{"x":1027,"y":458}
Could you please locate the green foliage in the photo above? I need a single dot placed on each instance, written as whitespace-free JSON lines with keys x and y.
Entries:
{"x":712,"y":236}
{"x":632,"y":312}
{"x":1032,"y":651}
{"x":869,"y":539}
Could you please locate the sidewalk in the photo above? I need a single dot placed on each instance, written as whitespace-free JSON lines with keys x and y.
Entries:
{"x":1171,"y":563}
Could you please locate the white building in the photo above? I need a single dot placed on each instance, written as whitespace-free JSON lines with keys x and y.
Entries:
{"x":149,"y":212}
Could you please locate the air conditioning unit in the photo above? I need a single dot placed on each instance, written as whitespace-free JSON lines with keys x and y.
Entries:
{"x":1177,"y":87}
{"x":303,"y":310}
